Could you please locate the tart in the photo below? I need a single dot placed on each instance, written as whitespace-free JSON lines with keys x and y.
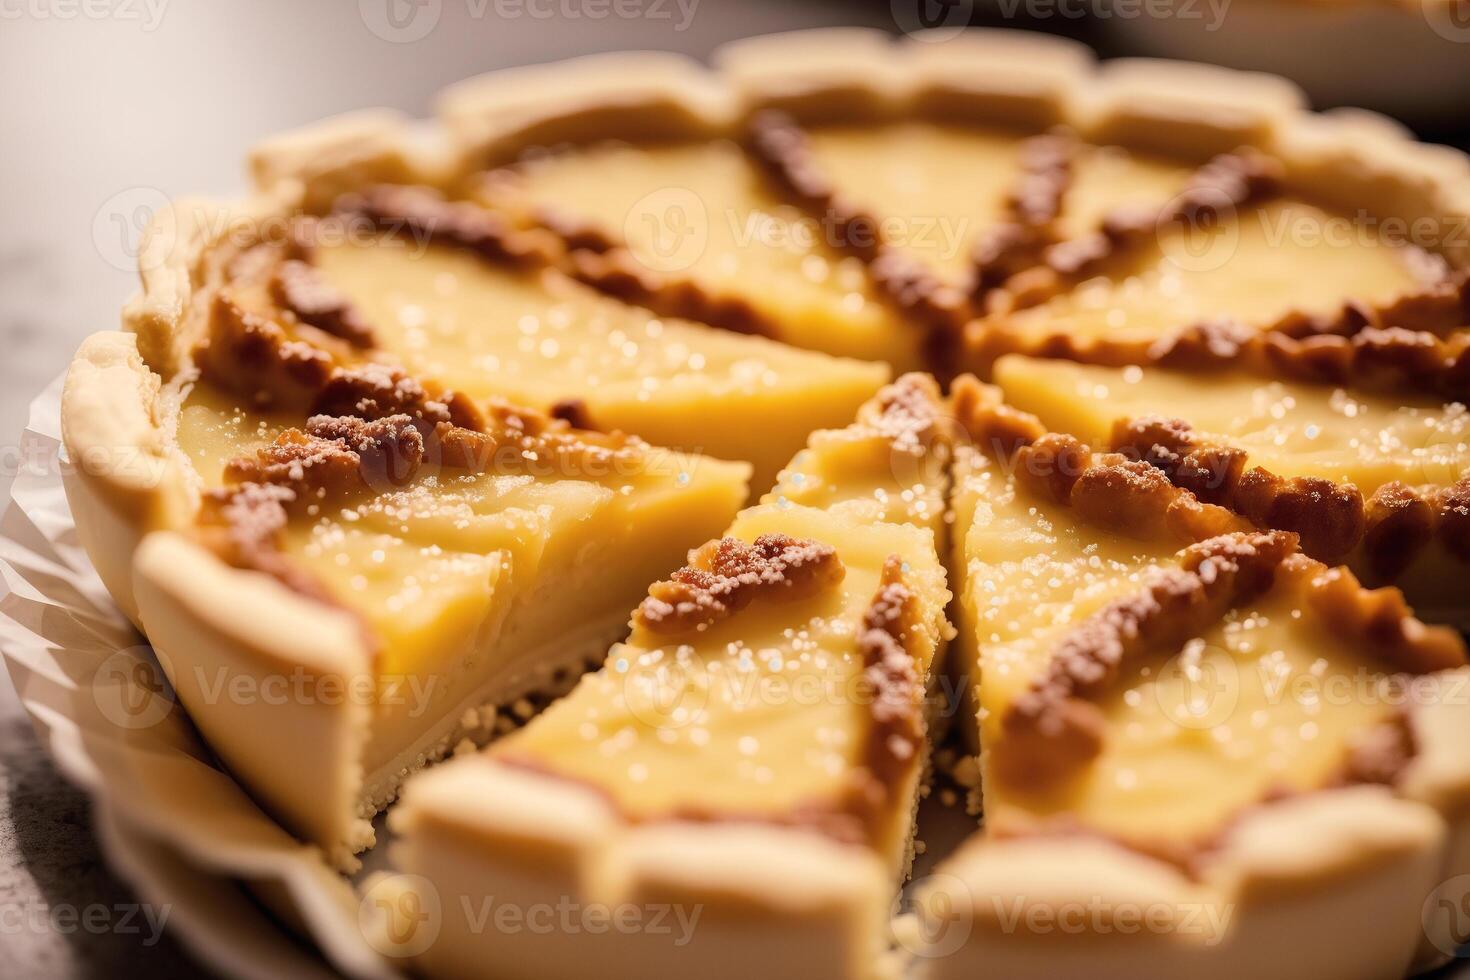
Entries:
{"x":753,"y":750}
{"x":1181,"y":713}
{"x":426,"y":415}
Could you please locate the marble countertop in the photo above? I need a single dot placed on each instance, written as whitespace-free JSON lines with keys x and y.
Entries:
{"x":99,"y":117}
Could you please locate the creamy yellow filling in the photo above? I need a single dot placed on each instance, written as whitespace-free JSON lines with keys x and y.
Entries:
{"x":859,"y":472}
{"x":1267,"y":700}
{"x":537,"y":339}
{"x":761,"y":713}
{"x":1290,"y":428}
{"x":214,"y":427}
{"x":938,"y":188}
{"x":1269,"y":261}
{"x":702,"y":211}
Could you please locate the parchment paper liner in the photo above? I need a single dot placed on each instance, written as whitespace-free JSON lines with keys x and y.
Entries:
{"x":165,"y":810}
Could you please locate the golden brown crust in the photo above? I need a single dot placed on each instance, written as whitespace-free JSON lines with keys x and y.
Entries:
{"x":1055,"y":727}
{"x":725,"y":576}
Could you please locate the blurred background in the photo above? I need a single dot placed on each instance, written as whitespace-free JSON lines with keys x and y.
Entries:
{"x":108,"y":107}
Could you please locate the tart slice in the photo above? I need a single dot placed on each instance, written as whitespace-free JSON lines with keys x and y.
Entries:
{"x":753,"y":751}
{"x":1377,"y":477}
{"x":1185,"y":719}
{"x":450,"y":565}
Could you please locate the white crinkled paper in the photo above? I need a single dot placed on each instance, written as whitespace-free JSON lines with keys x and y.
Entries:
{"x":170,"y":819}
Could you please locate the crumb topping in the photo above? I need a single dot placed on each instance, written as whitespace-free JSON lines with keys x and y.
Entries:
{"x":1055,"y":727}
{"x":725,"y":576}
{"x":298,"y":287}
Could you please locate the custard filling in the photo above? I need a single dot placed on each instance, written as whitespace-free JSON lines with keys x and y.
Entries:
{"x":1290,"y":428}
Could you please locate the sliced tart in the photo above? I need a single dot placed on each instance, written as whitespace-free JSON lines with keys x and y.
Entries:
{"x":753,"y":751}
{"x":356,"y":587}
{"x":1184,"y":718}
{"x":1380,"y":478}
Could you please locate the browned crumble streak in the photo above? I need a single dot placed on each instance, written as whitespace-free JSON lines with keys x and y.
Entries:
{"x":374,"y":391}
{"x":1393,"y":526}
{"x":1055,"y":727}
{"x":1381,"y":754}
{"x":254,"y":356}
{"x":1390,"y":358}
{"x":1213,"y":193}
{"x":1378,"y":621}
{"x":1437,"y":309}
{"x":725,"y":576}
{"x":896,"y":738}
{"x":1034,"y":205}
{"x":299,"y":288}
{"x":997,"y":428}
{"x":334,"y":457}
{"x":906,"y":413}
{"x":781,"y":147}
{"x":423,"y":215}
{"x":618,"y":273}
